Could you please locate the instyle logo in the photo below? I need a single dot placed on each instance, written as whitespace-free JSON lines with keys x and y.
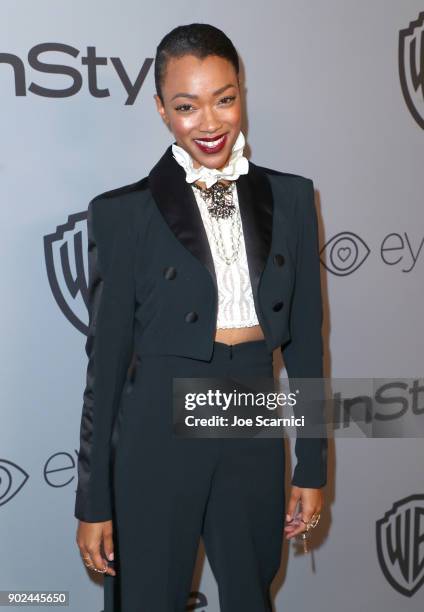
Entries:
{"x":90,"y":62}
{"x":65,"y":251}
{"x":411,"y":67}
{"x":379,"y":408}
{"x":400,"y":544}
{"x":345,"y":252}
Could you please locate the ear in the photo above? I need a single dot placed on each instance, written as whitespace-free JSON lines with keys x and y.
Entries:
{"x":161,"y":109}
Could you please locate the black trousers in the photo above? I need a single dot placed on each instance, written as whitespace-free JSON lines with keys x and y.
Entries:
{"x":170,"y":491}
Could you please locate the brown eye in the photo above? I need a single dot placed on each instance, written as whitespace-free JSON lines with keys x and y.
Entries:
{"x":228,"y":99}
{"x":183,"y":107}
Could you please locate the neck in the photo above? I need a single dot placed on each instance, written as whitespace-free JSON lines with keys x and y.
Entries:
{"x":196,"y":164}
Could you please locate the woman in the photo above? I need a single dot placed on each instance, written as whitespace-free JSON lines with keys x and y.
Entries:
{"x":199,"y":270}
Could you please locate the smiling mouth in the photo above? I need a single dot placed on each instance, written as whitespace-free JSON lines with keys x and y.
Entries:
{"x":211,"y":144}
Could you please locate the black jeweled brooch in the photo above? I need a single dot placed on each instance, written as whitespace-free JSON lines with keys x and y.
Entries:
{"x":219,"y":199}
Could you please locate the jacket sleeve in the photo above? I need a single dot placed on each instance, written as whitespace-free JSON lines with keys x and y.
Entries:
{"x":303,"y":354}
{"x":111,"y":305}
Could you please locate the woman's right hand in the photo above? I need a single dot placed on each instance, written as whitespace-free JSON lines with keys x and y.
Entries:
{"x":90,"y":537}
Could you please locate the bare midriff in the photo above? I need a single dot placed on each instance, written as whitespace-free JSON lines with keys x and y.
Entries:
{"x":234,"y":335}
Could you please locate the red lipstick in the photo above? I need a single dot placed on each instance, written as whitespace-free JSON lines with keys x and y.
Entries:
{"x":211,"y":148}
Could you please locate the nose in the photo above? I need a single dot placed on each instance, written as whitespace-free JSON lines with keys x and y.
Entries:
{"x":210,"y":122}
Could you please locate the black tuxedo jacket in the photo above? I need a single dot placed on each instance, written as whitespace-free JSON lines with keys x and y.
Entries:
{"x":152,"y":290}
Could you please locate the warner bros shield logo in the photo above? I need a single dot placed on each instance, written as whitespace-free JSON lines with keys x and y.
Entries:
{"x":65,"y":252}
{"x":411,"y":67}
{"x":400,"y":544}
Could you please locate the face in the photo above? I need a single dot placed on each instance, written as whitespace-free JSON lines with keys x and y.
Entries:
{"x":201,"y":104}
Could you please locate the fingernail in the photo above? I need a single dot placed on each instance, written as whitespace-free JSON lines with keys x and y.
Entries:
{"x":110,"y":556}
{"x":288,"y":517}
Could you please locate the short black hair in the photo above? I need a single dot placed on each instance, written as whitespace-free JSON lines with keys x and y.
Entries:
{"x":198,"y":39}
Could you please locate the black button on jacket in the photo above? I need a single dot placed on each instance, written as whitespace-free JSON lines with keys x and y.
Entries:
{"x":152,"y":289}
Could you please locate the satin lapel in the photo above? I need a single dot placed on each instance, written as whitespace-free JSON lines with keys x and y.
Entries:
{"x":177,"y":203}
{"x":256,"y":211}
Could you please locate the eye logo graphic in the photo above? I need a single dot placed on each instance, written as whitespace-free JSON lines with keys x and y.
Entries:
{"x":347,"y":251}
{"x":411,"y":67}
{"x":200,"y":603}
{"x":65,"y":251}
{"x":12,"y":479}
{"x":400,"y":537}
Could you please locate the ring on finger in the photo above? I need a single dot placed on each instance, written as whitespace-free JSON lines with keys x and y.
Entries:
{"x":315,"y":519}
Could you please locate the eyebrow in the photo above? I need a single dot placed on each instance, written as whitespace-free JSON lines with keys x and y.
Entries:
{"x":192,"y":96}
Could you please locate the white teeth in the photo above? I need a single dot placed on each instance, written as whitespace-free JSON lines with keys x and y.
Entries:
{"x":210,"y":145}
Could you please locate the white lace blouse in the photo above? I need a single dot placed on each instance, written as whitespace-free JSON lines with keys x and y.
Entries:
{"x":235,"y":300}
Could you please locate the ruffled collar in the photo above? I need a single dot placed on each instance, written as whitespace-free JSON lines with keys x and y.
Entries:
{"x":237,"y":164}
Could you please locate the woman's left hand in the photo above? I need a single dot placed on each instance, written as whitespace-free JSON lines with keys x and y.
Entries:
{"x":311,"y":502}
